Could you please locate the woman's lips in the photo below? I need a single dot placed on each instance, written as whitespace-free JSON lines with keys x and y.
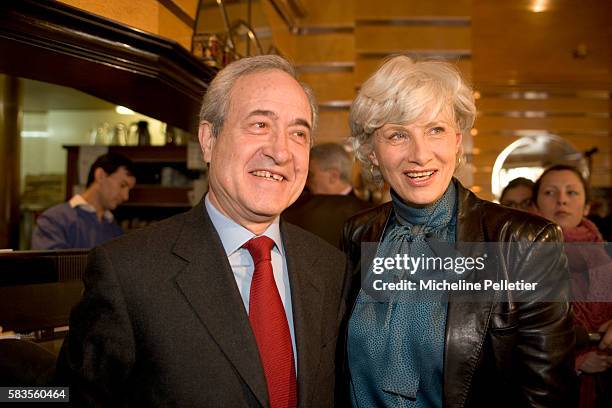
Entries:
{"x":420,"y":178}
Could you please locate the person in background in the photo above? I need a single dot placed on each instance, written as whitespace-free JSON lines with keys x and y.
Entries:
{"x":562,"y":195}
{"x":225,"y":305}
{"x":86,"y":220}
{"x":407,"y":124}
{"x":330,"y":170}
{"x":330,"y":199}
{"x":517,"y":194}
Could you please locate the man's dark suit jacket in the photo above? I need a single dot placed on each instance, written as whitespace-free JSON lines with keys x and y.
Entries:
{"x":324,"y":214}
{"x":162,"y":323}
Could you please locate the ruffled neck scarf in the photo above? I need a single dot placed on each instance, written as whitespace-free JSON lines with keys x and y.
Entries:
{"x":435,"y":219}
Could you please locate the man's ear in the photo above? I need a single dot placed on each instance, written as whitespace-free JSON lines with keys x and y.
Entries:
{"x":207,"y":140}
{"x":99,"y":174}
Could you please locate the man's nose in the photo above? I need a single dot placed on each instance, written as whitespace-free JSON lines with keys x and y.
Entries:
{"x":277,"y":147}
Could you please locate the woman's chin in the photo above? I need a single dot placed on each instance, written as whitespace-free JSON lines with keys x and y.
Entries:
{"x":565,"y":221}
{"x":420,"y":198}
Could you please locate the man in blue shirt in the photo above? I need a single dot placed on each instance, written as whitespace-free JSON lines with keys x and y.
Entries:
{"x":86,"y":220}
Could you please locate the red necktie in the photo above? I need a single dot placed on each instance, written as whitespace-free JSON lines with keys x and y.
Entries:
{"x":269,"y":324}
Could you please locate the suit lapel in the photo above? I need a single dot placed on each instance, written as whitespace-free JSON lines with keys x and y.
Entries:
{"x":307,"y":303}
{"x":466,"y":322}
{"x":208,"y":284}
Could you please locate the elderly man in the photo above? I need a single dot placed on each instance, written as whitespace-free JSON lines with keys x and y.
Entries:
{"x":224,"y":305}
{"x":86,"y":220}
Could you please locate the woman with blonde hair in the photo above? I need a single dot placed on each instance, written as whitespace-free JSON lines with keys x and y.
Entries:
{"x":412,"y":349}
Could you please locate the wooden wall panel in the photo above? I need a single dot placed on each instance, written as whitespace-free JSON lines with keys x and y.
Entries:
{"x":536,"y":53}
{"x":514,"y":43}
{"x":330,"y":86}
{"x":406,"y":8}
{"x":556,"y":105}
{"x":141,"y":14}
{"x":553,"y":124}
{"x":326,"y":12}
{"x":170,"y":26}
{"x":583,"y":142}
{"x":482,"y":179}
{"x":324,"y":48}
{"x":333,"y":126}
{"x":395,"y":38}
{"x":495,"y":144}
{"x":487,"y":142}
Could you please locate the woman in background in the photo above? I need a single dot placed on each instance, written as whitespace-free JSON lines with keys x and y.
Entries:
{"x":407,"y":123}
{"x":517,"y":194}
{"x":562,"y":195}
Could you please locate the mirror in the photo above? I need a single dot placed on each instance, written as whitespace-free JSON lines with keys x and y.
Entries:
{"x":530,"y":155}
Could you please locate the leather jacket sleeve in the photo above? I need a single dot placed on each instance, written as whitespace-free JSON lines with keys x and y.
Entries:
{"x":546,"y":338}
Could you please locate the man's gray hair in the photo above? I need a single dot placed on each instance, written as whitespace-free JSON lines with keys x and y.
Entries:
{"x":217,"y":98}
{"x":333,"y":156}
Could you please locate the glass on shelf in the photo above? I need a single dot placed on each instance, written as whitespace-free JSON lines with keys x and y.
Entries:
{"x":100,"y":134}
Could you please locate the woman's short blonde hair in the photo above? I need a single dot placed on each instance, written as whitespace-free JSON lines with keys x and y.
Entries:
{"x":400,"y":92}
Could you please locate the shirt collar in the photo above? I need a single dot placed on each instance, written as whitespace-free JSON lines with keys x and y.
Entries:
{"x":234,"y":235}
{"x":346,"y":191}
{"x":78,"y":201}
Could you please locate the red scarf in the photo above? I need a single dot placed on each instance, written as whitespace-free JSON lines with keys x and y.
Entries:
{"x":586,"y":231}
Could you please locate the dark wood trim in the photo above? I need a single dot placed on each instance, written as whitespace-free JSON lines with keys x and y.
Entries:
{"x":50,"y":41}
{"x":11,"y":110}
{"x":418,"y":54}
{"x":325,"y":29}
{"x":534,"y":113}
{"x":545,"y":132}
{"x":540,"y":92}
{"x":331,"y":66}
{"x":410,"y":21}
